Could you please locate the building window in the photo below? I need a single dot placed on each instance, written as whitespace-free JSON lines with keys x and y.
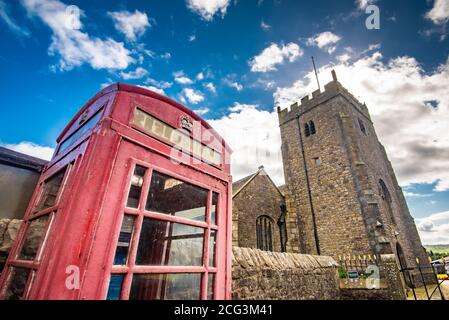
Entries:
{"x":264,"y":233}
{"x":167,"y":243}
{"x":362,"y":126}
{"x":309,"y":129}
{"x":386,"y":196}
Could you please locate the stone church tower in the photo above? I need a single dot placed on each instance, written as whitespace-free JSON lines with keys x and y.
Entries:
{"x":341,"y":192}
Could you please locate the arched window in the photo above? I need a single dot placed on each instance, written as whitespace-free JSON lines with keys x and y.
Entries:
{"x":312,"y":128}
{"x":362,"y":126}
{"x":385,"y":193}
{"x":264,"y":233}
{"x":386,"y":196}
{"x":307,"y":130}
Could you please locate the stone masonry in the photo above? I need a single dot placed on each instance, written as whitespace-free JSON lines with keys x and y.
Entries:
{"x":8,"y":233}
{"x":282,"y":276}
{"x":341,"y":191}
{"x":255,"y":196}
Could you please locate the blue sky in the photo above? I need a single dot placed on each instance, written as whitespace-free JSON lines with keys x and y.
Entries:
{"x":233,"y":62}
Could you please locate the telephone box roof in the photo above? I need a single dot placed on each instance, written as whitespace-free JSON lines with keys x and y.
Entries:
{"x":146,"y":92}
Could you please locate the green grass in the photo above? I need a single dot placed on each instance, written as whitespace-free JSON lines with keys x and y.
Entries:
{"x":438,"y":248}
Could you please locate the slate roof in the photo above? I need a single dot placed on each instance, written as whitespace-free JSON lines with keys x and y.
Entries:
{"x":282,"y":189}
{"x":17,"y":159}
{"x":242,"y":183}
{"x":238,"y":185}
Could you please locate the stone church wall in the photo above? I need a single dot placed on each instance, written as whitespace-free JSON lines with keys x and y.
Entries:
{"x":282,"y":276}
{"x":259,"y":198}
{"x":337,"y":211}
{"x":344,"y":162}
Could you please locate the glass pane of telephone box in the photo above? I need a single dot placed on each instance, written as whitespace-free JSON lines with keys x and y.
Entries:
{"x":212,"y":247}
{"x":33,"y":238}
{"x":115,"y":287}
{"x":50,"y":191}
{"x":17,"y":283}
{"x":210,"y":286}
{"x":213,"y":209}
{"x":136,"y":187}
{"x":124,"y":241}
{"x":180,"y":286}
{"x":178,"y":198}
{"x":164,"y":243}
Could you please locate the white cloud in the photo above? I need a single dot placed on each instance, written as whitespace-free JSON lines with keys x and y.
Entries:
{"x":344,"y":58}
{"x":153,"y":88}
{"x":193,"y":96}
{"x":409,"y":108}
{"x":265,"y":26}
{"x":136,"y":74}
{"x":158,"y":84}
{"x":207,"y":9}
{"x":166,"y":56}
{"x":131,"y":24}
{"x":254,"y":137}
{"x":275,"y":55}
{"x":211,"y":87}
{"x":266,"y":84}
{"x":192,"y":38}
{"x":73,"y":46}
{"x":325,"y":40}
{"x":233,"y":84}
{"x":363,"y":4}
{"x":201,"y":111}
{"x":107,"y":83}
{"x":439,"y":14}
{"x":409,"y":194}
{"x":434,"y":229}
{"x":181,"y":78}
{"x":200,"y":76}
{"x":31,"y":149}
{"x":4,"y":15}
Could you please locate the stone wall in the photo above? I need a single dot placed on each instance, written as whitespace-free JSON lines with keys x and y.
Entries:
{"x":8,"y":232}
{"x":333,"y":182}
{"x":327,"y":211}
{"x":259,"y":198}
{"x":282,"y":276}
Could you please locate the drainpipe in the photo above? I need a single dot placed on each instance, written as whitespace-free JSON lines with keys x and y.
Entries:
{"x":309,"y":191}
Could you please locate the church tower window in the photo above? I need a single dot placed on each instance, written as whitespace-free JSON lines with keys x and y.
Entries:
{"x":386,"y":196}
{"x":312,"y":128}
{"x":264,"y":233}
{"x":362,"y":127}
{"x":309,"y":129}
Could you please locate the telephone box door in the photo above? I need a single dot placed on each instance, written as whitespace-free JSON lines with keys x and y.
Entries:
{"x":163,"y":230}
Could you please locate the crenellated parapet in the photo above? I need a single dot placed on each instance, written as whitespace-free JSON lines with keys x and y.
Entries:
{"x":318,"y":97}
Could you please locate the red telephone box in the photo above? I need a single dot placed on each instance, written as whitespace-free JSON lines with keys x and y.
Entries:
{"x":135,"y":204}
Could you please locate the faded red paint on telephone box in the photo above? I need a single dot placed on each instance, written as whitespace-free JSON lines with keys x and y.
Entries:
{"x":135,"y":204}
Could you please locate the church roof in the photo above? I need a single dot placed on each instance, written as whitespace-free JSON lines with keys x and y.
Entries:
{"x":282,"y":189}
{"x":239,"y":185}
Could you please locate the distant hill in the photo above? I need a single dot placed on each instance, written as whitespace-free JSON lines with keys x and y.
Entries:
{"x":438,"y":248}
